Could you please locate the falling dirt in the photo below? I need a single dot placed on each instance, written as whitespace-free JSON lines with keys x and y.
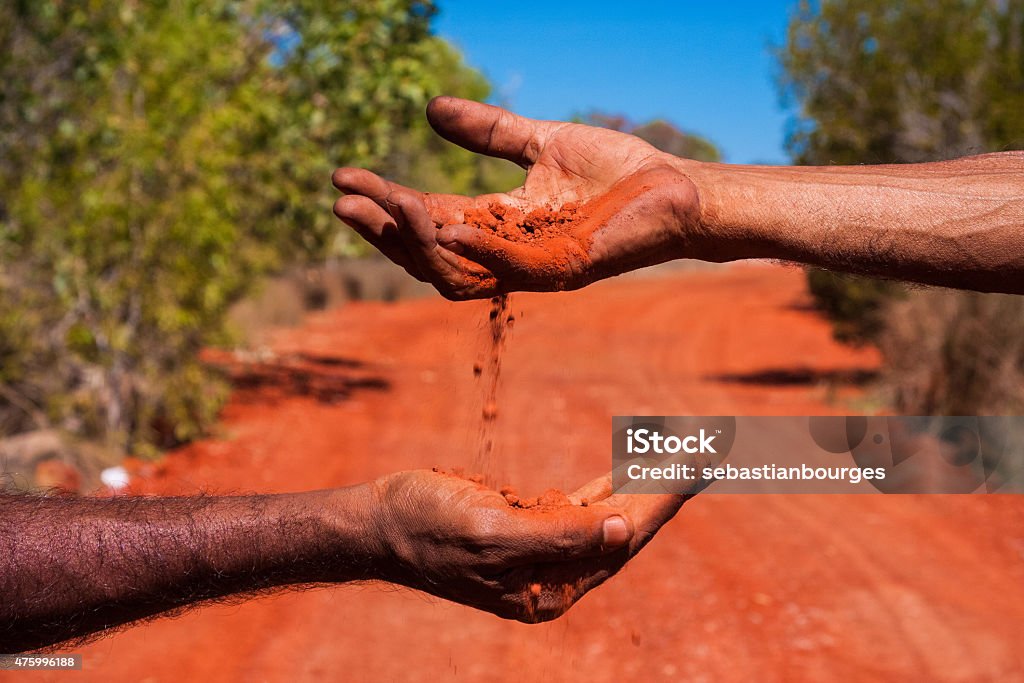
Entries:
{"x":736,"y":588}
{"x":488,"y":373}
{"x":562,"y":594}
{"x":512,"y":224}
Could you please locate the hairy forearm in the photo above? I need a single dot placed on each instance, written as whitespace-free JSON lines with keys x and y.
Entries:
{"x":956,"y":223}
{"x":70,"y":566}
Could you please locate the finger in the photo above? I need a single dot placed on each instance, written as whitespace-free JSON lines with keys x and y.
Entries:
{"x":494,"y":253}
{"x":555,"y":588}
{"x":443,"y":208}
{"x":366,"y":183}
{"x":419,"y":236}
{"x":488,"y":130}
{"x":593,"y":491}
{"x":565,"y":534}
{"x":377,"y":227}
{"x":547,"y":600}
{"x":450,"y":209}
{"x":648,"y":512}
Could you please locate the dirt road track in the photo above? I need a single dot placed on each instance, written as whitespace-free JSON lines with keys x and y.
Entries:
{"x":768,"y":588}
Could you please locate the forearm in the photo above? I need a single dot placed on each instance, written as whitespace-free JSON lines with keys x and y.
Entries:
{"x":957,"y":223}
{"x":70,"y":567}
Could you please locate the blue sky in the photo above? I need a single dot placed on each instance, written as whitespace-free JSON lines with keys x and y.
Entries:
{"x":706,"y":66}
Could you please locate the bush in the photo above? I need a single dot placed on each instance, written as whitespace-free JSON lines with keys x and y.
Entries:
{"x":920,"y":80}
{"x":856,"y":305}
{"x":155,"y":159}
{"x":955,"y":353}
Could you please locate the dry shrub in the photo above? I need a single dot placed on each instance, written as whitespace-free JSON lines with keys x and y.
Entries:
{"x":954,"y":353}
{"x":283,"y":300}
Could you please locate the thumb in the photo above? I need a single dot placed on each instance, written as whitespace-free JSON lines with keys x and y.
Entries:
{"x":648,"y":512}
{"x":486,"y":129}
{"x":570,"y":533}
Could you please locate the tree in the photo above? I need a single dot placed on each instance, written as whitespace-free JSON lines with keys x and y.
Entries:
{"x":919,"y":80}
{"x":155,"y":157}
{"x":659,"y":133}
{"x":420,"y":158}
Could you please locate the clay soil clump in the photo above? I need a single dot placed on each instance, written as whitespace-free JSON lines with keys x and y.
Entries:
{"x":515,"y":225}
{"x":549,"y":500}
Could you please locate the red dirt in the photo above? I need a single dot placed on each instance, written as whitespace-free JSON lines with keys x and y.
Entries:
{"x":541,"y":236}
{"x":515,"y":225}
{"x":552,"y":498}
{"x":736,"y":588}
{"x":488,"y":370}
{"x":545,"y":240}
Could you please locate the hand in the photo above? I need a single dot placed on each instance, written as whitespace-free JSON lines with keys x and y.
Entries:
{"x":119,"y":560}
{"x":459,"y":540}
{"x":637,"y":207}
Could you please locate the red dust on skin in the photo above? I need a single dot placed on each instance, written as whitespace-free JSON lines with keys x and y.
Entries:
{"x":560,"y":597}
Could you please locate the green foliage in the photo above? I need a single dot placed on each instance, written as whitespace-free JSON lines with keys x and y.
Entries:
{"x":352,"y":78}
{"x":919,"y":80}
{"x":154,"y":159}
{"x":422,"y":159}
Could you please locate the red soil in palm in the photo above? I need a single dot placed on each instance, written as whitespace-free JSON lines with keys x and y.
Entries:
{"x":550,"y":499}
{"x":518,"y":226}
{"x":736,"y":588}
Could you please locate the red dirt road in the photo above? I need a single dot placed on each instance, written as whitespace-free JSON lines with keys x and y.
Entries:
{"x":736,"y":588}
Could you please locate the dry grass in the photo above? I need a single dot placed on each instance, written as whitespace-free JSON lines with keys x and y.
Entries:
{"x":954,"y":353}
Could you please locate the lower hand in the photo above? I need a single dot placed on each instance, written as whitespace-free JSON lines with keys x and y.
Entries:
{"x":459,"y":540}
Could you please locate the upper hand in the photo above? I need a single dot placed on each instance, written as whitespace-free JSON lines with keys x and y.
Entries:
{"x":638,"y":207}
{"x":459,"y":540}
